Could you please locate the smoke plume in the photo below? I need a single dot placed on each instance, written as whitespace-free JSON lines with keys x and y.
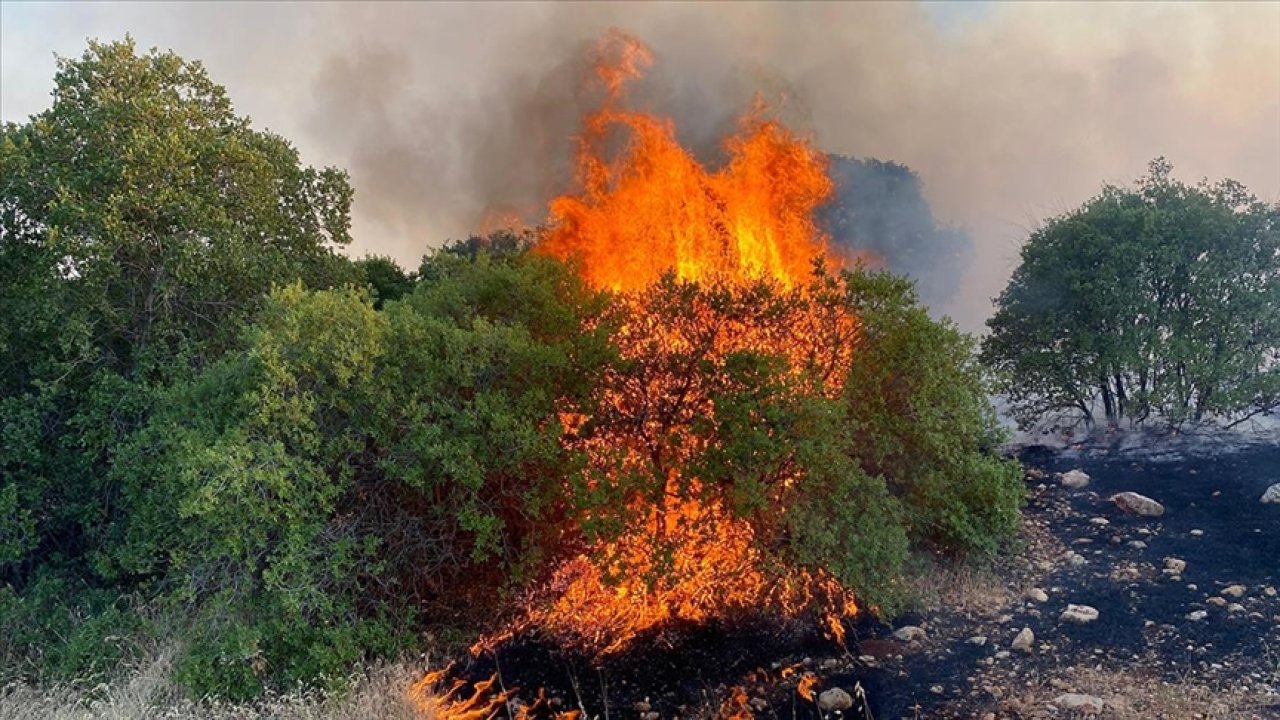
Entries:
{"x":452,"y":116}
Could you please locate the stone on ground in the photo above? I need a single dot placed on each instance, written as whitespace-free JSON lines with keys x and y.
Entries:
{"x":834,"y":699}
{"x":1079,"y":614}
{"x":1074,"y":479}
{"x":1133,"y":503}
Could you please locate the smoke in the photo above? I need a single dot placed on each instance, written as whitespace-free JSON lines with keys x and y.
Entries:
{"x":451,"y":115}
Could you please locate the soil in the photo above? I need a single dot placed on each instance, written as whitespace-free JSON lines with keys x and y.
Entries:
{"x":1143,"y":656}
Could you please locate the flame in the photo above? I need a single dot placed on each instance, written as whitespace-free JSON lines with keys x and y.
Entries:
{"x":806,"y":686}
{"x":430,"y":696}
{"x":654,"y":208}
{"x":647,"y":210}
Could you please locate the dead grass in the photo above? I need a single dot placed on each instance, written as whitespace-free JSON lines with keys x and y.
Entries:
{"x":973,"y":591}
{"x":1136,"y":695}
{"x":147,"y":693}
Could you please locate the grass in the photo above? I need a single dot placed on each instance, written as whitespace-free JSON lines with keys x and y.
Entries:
{"x":146,"y":692}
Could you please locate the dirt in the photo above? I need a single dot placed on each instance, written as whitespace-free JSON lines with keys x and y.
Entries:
{"x":1142,"y":656}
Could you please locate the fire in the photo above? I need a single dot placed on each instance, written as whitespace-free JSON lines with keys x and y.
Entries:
{"x":649,"y":210}
{"x":654,"y":208}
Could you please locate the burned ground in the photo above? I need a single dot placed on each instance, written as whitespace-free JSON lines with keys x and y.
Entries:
{"x":1143,"y":656}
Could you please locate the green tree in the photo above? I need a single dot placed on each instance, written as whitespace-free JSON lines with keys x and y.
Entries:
{"x":1163,"y":300}
{"x":355,"y":468}
{"x":141,"y":220}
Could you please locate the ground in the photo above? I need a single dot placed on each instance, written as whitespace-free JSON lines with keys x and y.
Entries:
{"x":1143,"y":657}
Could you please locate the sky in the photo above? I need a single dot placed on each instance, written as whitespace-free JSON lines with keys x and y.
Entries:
{"x":446,"y":112}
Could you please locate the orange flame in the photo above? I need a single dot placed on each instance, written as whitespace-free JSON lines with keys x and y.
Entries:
{"x":655,"y":209}
{"x":651,"y":209}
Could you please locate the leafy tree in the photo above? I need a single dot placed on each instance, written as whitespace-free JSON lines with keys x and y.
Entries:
{"x":355,"y":467}
{"x":1158,"y":301}
{"x":140,"y":221}
{"x":385,"y":278}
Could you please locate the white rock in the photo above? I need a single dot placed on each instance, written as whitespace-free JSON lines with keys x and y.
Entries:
{"x":1077,"y":701}
{"x":1235,"y":591}
{"x":1025,"y":640}
{"x":1100,"y":521}
{"x":977,"y":640}
{"x":1197,"y":533}
{"x":1137,"y":545}
{"x":909,"y":633}
{"x":834,"y":699}
{"x":1074,"y":479}
{"x":1079,"y":614}
{"x":1132,"y":502}
{"x":1037,"y":595}
{"x":1235,"y":608}
{"x":1176,"y":565}
{"x":1197,"y":615}
{"x":1272,"y":495}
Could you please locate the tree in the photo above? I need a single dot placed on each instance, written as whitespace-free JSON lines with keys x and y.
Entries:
{"x":141,"y":220}
{"x":1158,"y":301}
{"x":357,"y":468}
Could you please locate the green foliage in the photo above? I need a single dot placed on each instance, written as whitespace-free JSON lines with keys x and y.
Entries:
{"x":1161,"y":300}
{"x":141,"y":220}
{"x":387,"y":280}
{"x":354,"y":465}
{"x":917,"y":400}
{"x":297,"y":461}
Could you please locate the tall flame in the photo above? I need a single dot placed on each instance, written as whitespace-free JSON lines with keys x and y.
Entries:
{"x":654,"y":208}
{"x":648,"y":209}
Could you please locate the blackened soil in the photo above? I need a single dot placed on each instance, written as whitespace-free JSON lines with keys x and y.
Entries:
{"x":1213,"y":521}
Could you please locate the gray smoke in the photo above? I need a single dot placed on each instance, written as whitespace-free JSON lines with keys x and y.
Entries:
{"x":444,"y":113}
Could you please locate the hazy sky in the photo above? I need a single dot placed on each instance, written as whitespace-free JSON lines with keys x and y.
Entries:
{"x":1010,"y":112}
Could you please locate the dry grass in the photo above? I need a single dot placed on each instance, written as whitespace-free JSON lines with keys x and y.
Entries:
{"x":1136,"y":695}
{"x":148,"y":693}
{"x":974,"y":592}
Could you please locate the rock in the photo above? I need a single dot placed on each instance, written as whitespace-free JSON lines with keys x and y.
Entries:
{"x":1100,"y":521}
{"x":1025,"y":641}
{"x":1235,"y":591}
{"x":1269,"y":591}
{"x":1074,"y":479}
{"x":1234,"y":608}
{"x":937,"y":689}
{"x":1197,"y":533}
{"x":1037,"y":595}
{"x":642,"y":706}
{"x":1217,"y":601}
{"x":1272,"y":495}
{"x":977,"y":640}
{"x":1137,"y":545}
{"x":1197,"y":615}
{"x":1077,"y":701}
{"x":1075,"y":559}
{"x":1079,"y":614}
{"x":834,"y":699}
{"x":651,"y":715}
{"x":1176,"y":565}
{"x":909,"y":633}
{"x":1132,"y":502}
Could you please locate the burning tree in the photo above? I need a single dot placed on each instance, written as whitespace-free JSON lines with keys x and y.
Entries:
{"x":723,"y":472}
